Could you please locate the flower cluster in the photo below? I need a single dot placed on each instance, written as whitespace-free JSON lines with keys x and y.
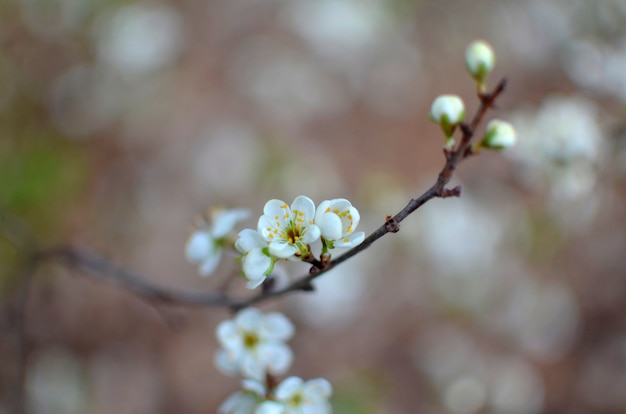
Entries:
{"x":287,"y":232}
{"x":253,"y":345}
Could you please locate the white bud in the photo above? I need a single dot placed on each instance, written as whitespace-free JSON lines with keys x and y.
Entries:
{"x":499,"y":135}
{"x":479,"y":60}
{"x":448,"y":111}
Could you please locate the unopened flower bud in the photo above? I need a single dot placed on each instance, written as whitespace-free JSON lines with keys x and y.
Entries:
{"x":499,"y":135}
{"x":479,"y":60}
{"x":448,"y":111}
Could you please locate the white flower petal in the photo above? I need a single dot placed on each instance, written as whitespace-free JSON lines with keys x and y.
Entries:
{"x":270,"y":407}
{"x":249,"y":319}
{"x":282,"y":249}
{"x":224,"y":222}
{"x":276,"y":356}
{"x":356,"y":217}
{"x":265,"y":227}
{"x":199,"y":246}
{"x":256,"y":264}
{"x":340,"y":204}
{"x":254,"y":283}
{"x":249,"y":239}
{"x":228,"y":334}
{"x":239,"y":403}
{"x":289,"y":387}
{"x":352,"y":240}
{"x":253,"y":386}
{"x":253,"y":366}
{"x":330,"y":226}
{"x":318,"y":387}
{"x":210,"y":263}
{"x":274,"y":207}
{"x":312,"y":234}
{"x":305,"y":205}
{"x":225,"y":363}
{"x":323,"y":208}
{"x":276,"y":326}
{"x":277,"y":211}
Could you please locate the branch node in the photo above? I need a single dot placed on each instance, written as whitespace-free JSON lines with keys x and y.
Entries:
{"x":391,"y":225}
{"x":308,"y":287}
{"x":468,"y":132}
{"x":451,"y":192}
{"x":268,"y":284}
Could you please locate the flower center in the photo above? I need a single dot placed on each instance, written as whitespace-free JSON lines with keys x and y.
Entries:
{"x":296,"y":400}
{"x":250,"y":339}
{"x":293,"y":234}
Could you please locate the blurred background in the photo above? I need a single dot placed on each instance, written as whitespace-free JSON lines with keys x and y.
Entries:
{"x":121,"y":121}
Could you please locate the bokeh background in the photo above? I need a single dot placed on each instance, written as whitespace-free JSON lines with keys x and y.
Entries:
{"x":121,"y":121}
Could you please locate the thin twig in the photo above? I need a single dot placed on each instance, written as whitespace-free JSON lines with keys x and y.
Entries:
{"x":102,"y":268}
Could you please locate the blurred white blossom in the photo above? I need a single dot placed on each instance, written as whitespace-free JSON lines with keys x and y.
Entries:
{"x":597,"y":66}
{"x":479,"y":60}
{"x":140,"y":38}
{"x":542,"y":317}
{"x":205,"y":244}
{"x":295,"y":396}
{"x":253,"y":344}
{"x":245,"y":401}
{"x":499,"y":135}
{"x":55,"y":384}
{"x":515,"y":387}
{"x":560,"y":149}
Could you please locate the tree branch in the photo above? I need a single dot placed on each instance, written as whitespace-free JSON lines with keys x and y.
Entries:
{"x":102,"y":268}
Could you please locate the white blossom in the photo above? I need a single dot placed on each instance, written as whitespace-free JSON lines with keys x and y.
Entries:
{"x":479,"y":60}
{"x":499,"y":135}
{"x":295,"y":396}
{"x":253,"y":344}
{"x":257,"y":263}
{"x":289,"y":231}
{"x":205,"y":245}
{"x":337,"y":220}
{"x":245,"y":401}
{"x":448,"y":111}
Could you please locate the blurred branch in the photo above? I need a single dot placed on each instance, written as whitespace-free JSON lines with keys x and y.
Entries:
{"x":102,"y":268}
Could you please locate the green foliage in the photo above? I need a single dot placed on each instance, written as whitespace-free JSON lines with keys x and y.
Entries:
{"x":40,"y":176}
